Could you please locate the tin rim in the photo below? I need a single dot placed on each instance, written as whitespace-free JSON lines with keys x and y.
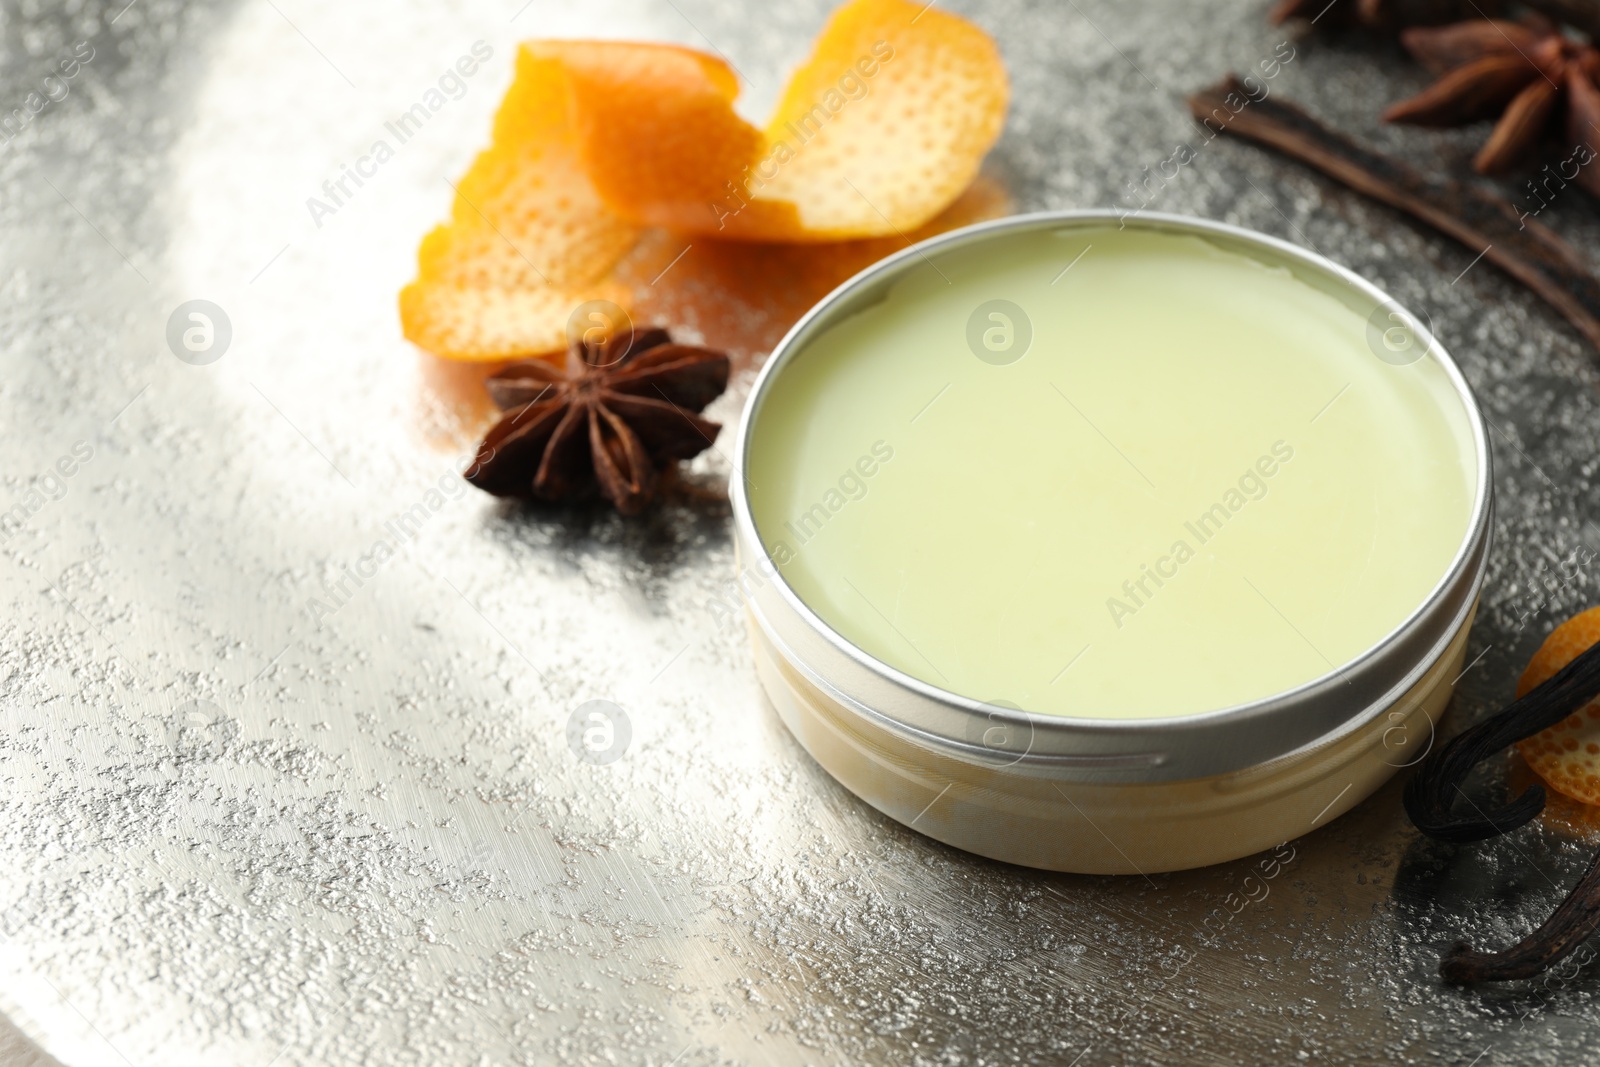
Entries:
{"x":1151,"y":748}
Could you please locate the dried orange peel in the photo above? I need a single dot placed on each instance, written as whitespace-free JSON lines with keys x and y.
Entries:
{"x":528,"y":239}
{"x":882,"y":127}
{"x":1567,"y":755}
{"x":879,"y":131}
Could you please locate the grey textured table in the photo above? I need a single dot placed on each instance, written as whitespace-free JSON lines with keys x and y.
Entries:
{"x":233,"y":829}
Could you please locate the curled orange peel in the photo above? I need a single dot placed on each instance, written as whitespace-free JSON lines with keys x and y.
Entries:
{"x":528,"y":238}
{"x":882,"y":127}
{"x":878,"y":132}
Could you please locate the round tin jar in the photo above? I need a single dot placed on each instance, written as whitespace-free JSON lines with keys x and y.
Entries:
{"x":1130,"y":793}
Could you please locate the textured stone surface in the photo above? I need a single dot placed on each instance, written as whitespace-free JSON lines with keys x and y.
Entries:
{"x":233,"y":832}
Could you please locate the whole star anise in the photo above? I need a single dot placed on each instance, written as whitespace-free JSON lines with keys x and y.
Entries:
{"x":630,"y":410}
{"x":1521,"y":70}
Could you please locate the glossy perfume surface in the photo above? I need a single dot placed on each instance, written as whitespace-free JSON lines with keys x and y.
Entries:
{"x":1112,"y":474}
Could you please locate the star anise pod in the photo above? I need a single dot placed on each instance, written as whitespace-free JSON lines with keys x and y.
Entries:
{"x":1524,"y":71}
{"x":629,"y":410}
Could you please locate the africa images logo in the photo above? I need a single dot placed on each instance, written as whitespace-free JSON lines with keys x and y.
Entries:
{"x":1139,"y":590}
{"x":53,"y":89}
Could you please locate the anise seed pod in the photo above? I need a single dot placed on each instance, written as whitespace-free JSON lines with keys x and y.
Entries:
{"x":1583,"y":120}
{"x":631,"y":410}
{"x":1520,"y":128}
{"x":1466,"y":94}
{"x":1444,"y":48}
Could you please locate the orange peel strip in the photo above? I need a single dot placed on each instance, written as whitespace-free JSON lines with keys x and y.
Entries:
{"x":882,"y":127}
{"x":877,"y":133}
{"x":528,"y":240}
{"x":1567,"y":755}
{"x":891,"y":161}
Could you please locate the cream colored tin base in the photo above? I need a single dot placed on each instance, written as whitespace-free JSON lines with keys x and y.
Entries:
{"x":1020,"y":816}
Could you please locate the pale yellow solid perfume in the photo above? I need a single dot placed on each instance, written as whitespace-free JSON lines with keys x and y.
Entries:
{"x":1196,"y":485}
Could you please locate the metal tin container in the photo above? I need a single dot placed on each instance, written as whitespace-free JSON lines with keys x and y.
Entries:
{"x":1096,"y":795}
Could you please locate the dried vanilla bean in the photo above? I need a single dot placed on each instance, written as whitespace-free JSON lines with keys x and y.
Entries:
{"x":1484,"y":223}
{"x":1573,"y":920}
{"x":1432,"y":793}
